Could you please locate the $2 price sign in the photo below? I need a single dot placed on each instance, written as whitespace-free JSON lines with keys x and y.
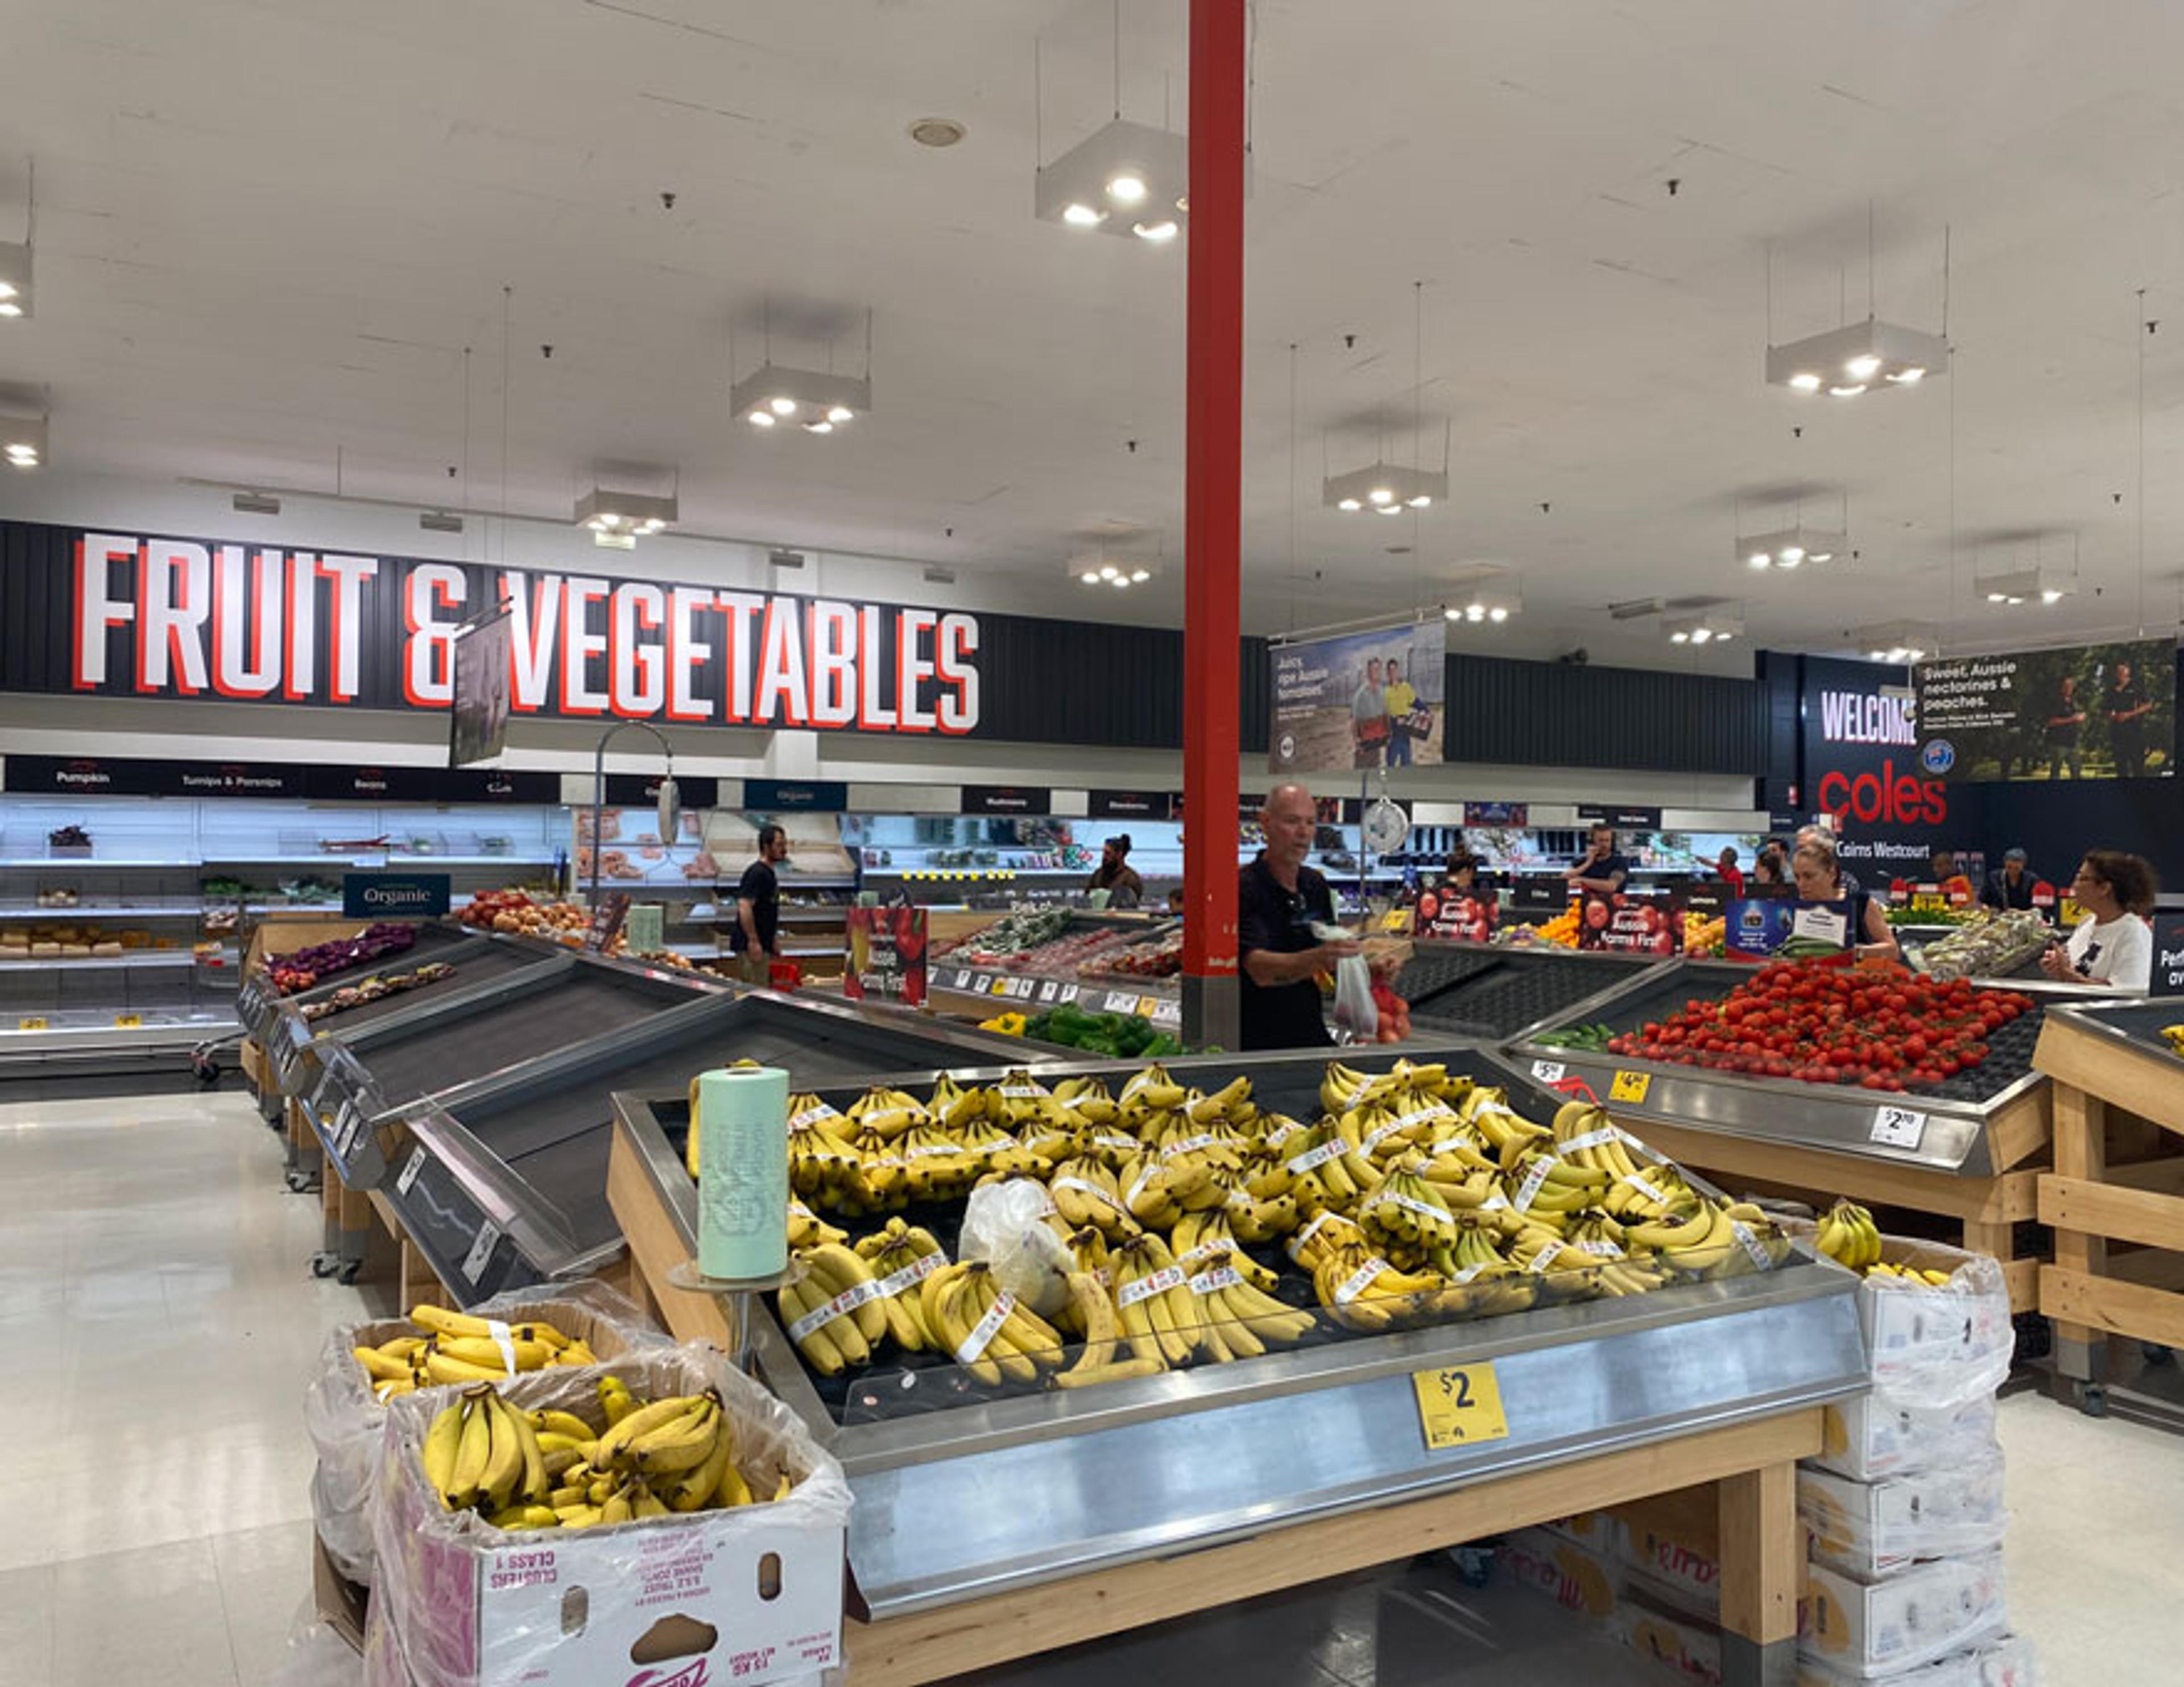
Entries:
{"x":1460,"y":1405}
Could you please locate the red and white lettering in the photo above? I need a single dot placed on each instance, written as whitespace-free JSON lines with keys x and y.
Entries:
{"x":639,"y":682}
{"x":958,"y":677}
{"x":299,"y":673}
{"x":97,"y":607}
{"x":912,"y":668}
{"x":174,"y":597}
{"x":875,"y":714}
{"x":428,"y":653}
{"x":685,"y":654}
{"x":246,"y":623}
{"x":580,"y":644}
{"x":781,"y":677}
{"x":740,"y":607}
{"x":345,"y":622}
{"x":535,"y":618}
{"x":833,"y":664}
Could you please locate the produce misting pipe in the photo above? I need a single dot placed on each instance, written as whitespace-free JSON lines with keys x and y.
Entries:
{"x":1213,"y":427}
{"x":599,"y":793}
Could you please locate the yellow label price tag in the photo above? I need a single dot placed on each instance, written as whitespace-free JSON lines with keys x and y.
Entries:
{"x":1148,"y":1006}
{"x":1629,"y":1086}
{"x":1396,"y":920}
{"x":1460,"y":1405}
{"x":1001,"y":987}
{"x":35,"y":1022}
{"x":128,"y":1022}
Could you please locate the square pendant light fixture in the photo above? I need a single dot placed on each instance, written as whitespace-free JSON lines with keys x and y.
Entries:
{"x":1489,"y":604}
{"x":1859,"y":357}
{"x":1386,"y":488}
{"x":1712,"y":627}
{"x":1125,"y":178}
{"x":1104,"y":572}
{"x":1790,"y":547}
{"x":15,"y":280}
{"x":1898,"y":641}
{"x":613,"y":516}
{"x":778,"y":396}
{"x":2038,"y":584}
{"x":23,"y":442}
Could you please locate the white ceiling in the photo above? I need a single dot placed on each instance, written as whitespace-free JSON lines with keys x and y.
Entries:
{"x":267,"y":229}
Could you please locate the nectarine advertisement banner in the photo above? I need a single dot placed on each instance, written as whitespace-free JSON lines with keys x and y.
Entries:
{"x":2093,"y":711}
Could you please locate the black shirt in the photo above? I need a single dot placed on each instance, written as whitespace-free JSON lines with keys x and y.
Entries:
{"x":1606,"y":868}
{"x":2000,"y":892}
{"x":762,"y":890}
{"x":1269,"y":917}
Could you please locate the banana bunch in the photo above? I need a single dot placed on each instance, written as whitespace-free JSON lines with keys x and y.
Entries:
{"x":1254,"y":1220}
{"x":935,"y":1164}
{"x":1704,"y":1241}
{"x":1507,"y":1132}
{"x":891,"y":1112}
{"x":1325,"y":1234}
{"x":1149,"y":1091}
{"x":990,"y":1333}
{"x":482,"y":1454}
{"x":1088,"y":1254}
{"x":1157,"y":1192}
{"x":452,"y":1348}
{"x":1265,"y":1175}
{"x":1406,"y":1211}
{"x":1198,"y":1236}
{"x":1365,"y":1293}
{"x":1092,"y":1314}
{"x":1234,"y":1318}
{"x":1540,"y":1182}
{"x":896,"y":1256}
{"x":952,"y":1106}
{"x":1045,"y":1136}
{"x":1153,"y":1296}
{"x":1232,"y":1103}
{"x":1926,"y":1278}
{"x":1087,"y":1098}
{"x":1596,"y":1232}
{"x":986,"y":1143}
{"x":806,"y":1229}
{"x":2173,"y":1035}
{"x":834,"y":1313}
{"x":1539,"y":1250}
{"x":1014,"y":1101}
{"x":1850,"y":1238}
{"x":876,"y":1184}
{"x":1328,"y":1170}
{"x":1085,"y":1192}
{"x":820,"y":1165}
{"x":1482,"y":1281}
{"x":656,"y":1459}
{"x":1339,"y":1086}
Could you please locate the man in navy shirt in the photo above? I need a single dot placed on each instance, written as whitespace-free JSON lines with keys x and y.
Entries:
{"x":1278,"y":955}
{"x":1600,"y":868}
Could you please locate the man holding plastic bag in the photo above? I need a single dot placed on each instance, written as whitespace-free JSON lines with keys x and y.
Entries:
{"x":1281,"y":904}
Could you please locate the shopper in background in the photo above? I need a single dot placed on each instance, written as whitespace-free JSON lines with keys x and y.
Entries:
{"x":1368,"y":716}
{"x":1116,"y":875}
{"x":1175,"y":900}
{"x":1820,"y":878}
{"x":1815,"y":834}
{"x":2127,"y":706}
{"x":1941,"y":869}
{"x":1400,"y":697}
{"x":755,"y":938}
{"x":2113,"y":944}
{"x":1460,"y":877}
{"x":1278,"y":955}
{"x":2065,"y":727}
{"x":1600,"y":868}
{"x":1730,"y":873}
{"x":2009,"y":885}
{"x":1768,"y":868}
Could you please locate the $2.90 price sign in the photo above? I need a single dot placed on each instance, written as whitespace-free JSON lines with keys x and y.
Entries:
{"x":1460,"y":1405}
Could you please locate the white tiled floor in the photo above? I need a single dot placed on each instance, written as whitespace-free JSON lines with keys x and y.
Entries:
{"x":149,"y":1251}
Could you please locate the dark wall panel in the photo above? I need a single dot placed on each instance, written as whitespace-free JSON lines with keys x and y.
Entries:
{"x":1550,"y":714}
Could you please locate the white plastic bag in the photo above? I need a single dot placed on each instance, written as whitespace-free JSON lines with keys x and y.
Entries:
{"x":344,"y":1420}
{"x":1354,"y":1010}
{"x":459,"y":1603}
{"x":1004,"y":1224}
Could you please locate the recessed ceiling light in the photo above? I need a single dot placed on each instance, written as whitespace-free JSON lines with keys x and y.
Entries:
{"x":1420,"y":502}
{"x":9,"y":307}
{"x":1381,"y":495}
{"x":781,"y":407}
{"x":1089,"y":577}
{"x":1108,"y":570}
{"x":1120,"y":580}
{"x":936,"y":132}
{"x":1821,"y":556}
{"x":1846,"y":392}
{"x":1350,"y":503}
{"x":1806,"y":383}
{"x":1862,"y":368}
{"x":822,"y":425}
{"x":1498,"y":613}
{"x":840,"y":414}
{"x":1126,"y":189}
{"x":1474,"y":612}
{"x":1080,"y":215}
{"x":1679,"y":639}
{"x":7,"y":289}
{"x":761,"y":418}
{"x":1139,"y":575}
{"x":1909,"y":377}
{"x":2051,"y":596}
{"x":1760,"y":558}
{"x":1157,"y":233}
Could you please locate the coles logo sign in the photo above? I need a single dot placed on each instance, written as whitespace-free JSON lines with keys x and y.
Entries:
{"x":1862,"y":755}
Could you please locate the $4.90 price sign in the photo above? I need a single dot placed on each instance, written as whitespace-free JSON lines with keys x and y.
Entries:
{"x":1460,"y":1405}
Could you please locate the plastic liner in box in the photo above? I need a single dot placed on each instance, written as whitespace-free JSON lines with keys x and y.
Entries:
{"x":464,"y":1604}
{"x":1934,"y":1347}
{"x":344,"y":1420}
{"x":1867,"y":1439}
{"x":2007,"y":1662}
{"x":1870,"y":1529}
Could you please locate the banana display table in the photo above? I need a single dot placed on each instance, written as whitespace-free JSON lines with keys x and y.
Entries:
{"x":1971,"y":1150}
{"x":2119,"y":1178}
{"x":993,"y":1523}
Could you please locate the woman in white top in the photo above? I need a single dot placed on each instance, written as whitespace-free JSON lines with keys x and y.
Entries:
{"x":2113,"y":944}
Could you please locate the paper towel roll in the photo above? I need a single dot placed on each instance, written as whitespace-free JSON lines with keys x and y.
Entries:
{"x":743,"y":1171}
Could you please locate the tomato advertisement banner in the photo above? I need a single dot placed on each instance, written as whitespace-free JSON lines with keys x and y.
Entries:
{"x":1618,"y":924}
{"x":886,"y":955}
{"x":1453,"y":918}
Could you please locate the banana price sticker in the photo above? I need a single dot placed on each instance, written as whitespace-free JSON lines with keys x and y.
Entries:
{"x":1460,"y":1405}
{"x":1629,"y":1086}
{"x":128,"y":1022}
{"x":33,"y":1022}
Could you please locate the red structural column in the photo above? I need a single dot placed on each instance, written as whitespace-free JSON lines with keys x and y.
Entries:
{"x":1212,"y":495}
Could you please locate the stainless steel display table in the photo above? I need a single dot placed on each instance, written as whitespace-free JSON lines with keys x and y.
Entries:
{"x":1282,"y":1469}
